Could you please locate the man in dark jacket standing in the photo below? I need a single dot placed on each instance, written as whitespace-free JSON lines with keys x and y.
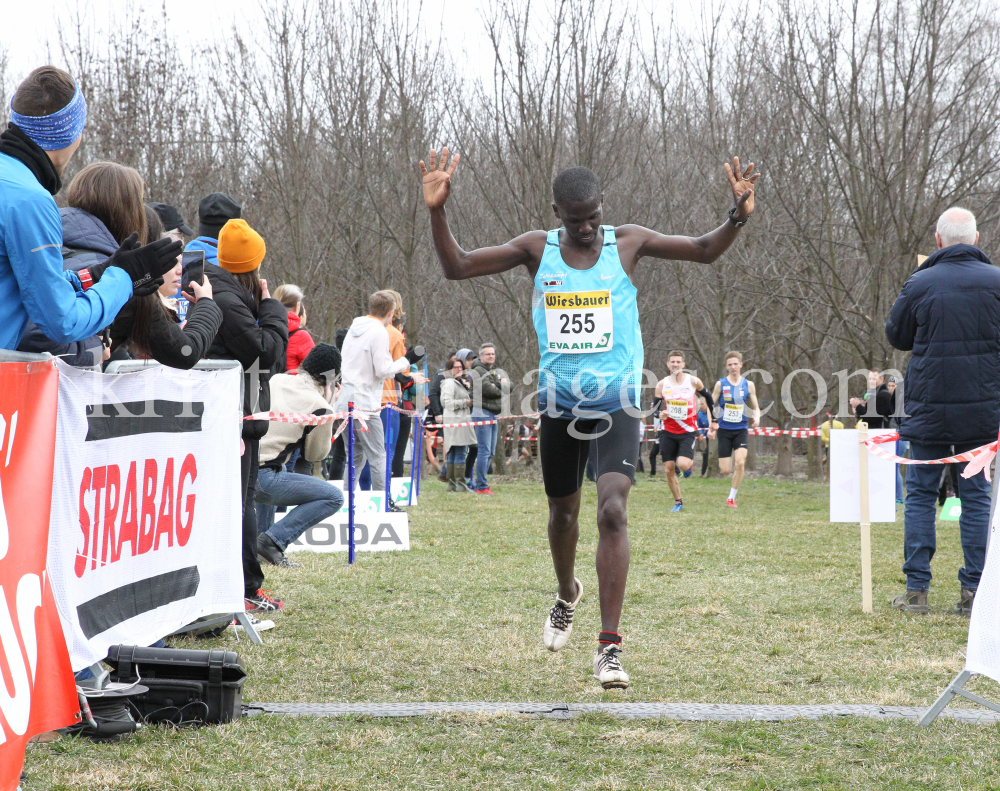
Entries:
{"x":876,"y":407}
{"x":948,"y":314}
{"x":487,"y":402}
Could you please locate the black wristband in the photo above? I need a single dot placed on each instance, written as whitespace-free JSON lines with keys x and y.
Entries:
{"x":737,"y":223}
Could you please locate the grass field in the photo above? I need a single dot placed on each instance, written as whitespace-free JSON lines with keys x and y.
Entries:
{"x":761,"y":605}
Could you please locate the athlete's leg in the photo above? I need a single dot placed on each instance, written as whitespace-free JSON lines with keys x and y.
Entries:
{"x":684,"y":463}
{"x":739,"y":464}
{"x":564,"y":533}
{"x":725,"y":465}
{"x":563,"y":459}
{"x":612,"y":546}
{"x":675,"y":485}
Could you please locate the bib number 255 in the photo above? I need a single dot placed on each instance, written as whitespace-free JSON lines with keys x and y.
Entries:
{"x":575,"y":323}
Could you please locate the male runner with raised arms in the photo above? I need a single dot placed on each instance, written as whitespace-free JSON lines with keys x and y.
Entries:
{"x":587,"y":322}
{"x":732,"y":394}
{"x":677,"y":396}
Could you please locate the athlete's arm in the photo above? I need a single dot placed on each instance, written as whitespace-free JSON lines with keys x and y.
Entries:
{"x":752,"y":393}
{"x":713,"y":424}
{"x":458,"y":264}
{"x":709,"y":400}
{"x":639,"y":242}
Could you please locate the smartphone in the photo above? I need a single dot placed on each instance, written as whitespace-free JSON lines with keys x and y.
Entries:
{"x":192,"y":268}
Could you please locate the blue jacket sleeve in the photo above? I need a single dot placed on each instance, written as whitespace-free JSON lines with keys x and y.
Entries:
{"x":63,"y":314}
{"x":901,"y":326}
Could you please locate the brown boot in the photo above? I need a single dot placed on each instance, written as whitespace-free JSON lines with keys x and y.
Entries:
{"x":911,"y":601}
{"x":964,"y":606}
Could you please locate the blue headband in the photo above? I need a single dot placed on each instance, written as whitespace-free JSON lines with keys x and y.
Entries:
{"x":59,"y":130}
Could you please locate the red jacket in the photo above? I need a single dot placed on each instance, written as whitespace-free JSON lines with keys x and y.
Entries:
{"x":299,"y":343}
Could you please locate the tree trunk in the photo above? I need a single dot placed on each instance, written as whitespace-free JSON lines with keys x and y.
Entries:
{"x":785,"y":455}
{"x":751,"y":462}
{"x":500,"y":461}
{"x":814,"y":455}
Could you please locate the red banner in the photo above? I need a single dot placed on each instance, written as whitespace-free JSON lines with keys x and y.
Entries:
{"x":37,"y":690}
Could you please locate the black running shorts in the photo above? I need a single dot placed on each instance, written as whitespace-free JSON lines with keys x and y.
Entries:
{"x":565,"y":444}
{"x":674,"y":445}
{"x":731,"y":439}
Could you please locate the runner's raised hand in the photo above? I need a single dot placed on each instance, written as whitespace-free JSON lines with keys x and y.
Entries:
{"x":742,"y":187}
{"x":437,"y":179}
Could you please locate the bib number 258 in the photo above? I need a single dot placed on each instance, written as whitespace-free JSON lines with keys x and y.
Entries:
{"x":575,"y":323}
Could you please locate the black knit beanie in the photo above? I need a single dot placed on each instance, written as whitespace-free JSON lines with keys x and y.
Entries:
{"x":323,"y":363}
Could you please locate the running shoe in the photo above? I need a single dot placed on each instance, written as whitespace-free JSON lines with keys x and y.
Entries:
{"x":263,"y":602}
{"x":559,"y":624}
{"x":608,"y":668}
{"x":677,"y":507}
{"x":687,"y":473}
{"x":731,"y":502}
{"x":487,"y":490}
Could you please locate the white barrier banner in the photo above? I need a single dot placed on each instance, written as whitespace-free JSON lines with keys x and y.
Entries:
{"x":983,"y":653}
{"x":145,"y":532}
{"x":373,"y":532}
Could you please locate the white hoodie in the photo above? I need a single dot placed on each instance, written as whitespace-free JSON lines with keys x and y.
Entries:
{"x":366,"y":364}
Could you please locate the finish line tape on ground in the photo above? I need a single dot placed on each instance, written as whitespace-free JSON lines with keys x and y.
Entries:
{"x":978,"y":458}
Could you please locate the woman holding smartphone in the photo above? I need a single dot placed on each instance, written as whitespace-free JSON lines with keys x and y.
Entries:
{"x":149,"y":328}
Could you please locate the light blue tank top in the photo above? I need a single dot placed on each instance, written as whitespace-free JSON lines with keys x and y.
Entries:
{"x":589,"y":338}
{"x":733,"y":396}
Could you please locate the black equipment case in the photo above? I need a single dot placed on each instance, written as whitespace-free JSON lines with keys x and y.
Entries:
{"x":184,"y":686}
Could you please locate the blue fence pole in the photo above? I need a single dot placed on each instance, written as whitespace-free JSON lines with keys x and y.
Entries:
{"x":414,"y":458}
{"x":350,"y":482}
{"x":388,"y":455}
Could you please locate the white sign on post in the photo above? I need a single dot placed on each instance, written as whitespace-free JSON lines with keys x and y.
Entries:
{"x":845,"y":479}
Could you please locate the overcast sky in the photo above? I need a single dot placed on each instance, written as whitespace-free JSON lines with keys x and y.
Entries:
{"x":28,"y":24}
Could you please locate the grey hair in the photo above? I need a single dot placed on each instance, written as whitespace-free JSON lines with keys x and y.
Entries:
{"x":957,"y":226}
{"x":486,"y":346}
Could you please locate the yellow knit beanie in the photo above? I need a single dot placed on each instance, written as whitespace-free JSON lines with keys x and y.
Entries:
{"x":241,"y":248}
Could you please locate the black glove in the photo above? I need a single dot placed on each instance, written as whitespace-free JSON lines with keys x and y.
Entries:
{"x":146,"y":265}
{"x":415,"y":354}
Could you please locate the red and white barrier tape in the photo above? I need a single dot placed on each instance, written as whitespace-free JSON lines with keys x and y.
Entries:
{"x":480,"y":422}
{"x":977,"y":458}
{"x":767,"y":431}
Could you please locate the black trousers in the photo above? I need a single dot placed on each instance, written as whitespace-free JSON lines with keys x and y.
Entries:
{"x":339,"y":461}
{"x":405,"y":424}
{"x":470,"y":461}
{"x":253,"y":576}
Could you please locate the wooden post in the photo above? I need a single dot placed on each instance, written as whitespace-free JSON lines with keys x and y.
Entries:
{"x":866,"y":528}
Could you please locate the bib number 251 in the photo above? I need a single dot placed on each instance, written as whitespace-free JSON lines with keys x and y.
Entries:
{"x":575,"y":323}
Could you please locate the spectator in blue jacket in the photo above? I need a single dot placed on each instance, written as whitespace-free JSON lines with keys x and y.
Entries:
{"x":214,"y":211}
{"x":948,"y":315}
{"x":48,"y":113}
